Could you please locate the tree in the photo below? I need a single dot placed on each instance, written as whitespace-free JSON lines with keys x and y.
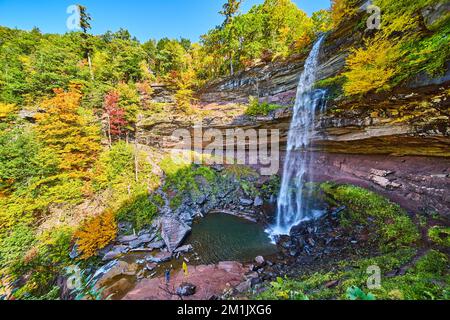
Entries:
{"x":322,"y":21}
{"x":85,"y":25}
{"x":230,"y":9}
{"x":22,"y":158}
{"x":115,"y":116}
{"x":69,"y":130}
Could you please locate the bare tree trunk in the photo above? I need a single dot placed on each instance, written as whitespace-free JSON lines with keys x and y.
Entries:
{"x":109,"y":131}
{"x":136,"y":160}
{"x":231,"y":65}
{"x":90,"y":66}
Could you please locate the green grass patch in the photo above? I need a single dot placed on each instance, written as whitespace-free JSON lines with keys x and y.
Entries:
{"x":255,"y":108}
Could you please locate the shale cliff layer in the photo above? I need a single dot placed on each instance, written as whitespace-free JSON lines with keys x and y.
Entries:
{"x":396,"y":142}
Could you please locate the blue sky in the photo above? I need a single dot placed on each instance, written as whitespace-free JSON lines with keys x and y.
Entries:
{"x":145,"y":19}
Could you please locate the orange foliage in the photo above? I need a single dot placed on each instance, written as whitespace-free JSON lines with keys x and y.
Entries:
{"x":96,"y":234}
{"x":69,"y":130}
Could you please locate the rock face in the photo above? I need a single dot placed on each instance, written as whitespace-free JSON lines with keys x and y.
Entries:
{"x":416,"y":183}
{"x":174,"y":232}
{"x":113,"y":270}
{"x":407,"y":127}
{"x":209,"y":281}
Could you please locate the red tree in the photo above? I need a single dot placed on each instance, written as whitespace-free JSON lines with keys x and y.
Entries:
{"x":115,"y":115}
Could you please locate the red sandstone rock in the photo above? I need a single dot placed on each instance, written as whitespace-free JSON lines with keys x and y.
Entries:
{"x":209,"y":280}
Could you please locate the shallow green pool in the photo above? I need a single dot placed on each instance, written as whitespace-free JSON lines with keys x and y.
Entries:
{"x":221,"y":237}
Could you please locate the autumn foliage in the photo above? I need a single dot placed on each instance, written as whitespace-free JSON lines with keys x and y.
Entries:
{"x":341,"y":9}
{"x":69,"y":130}
{"x":115,"y":115}
{"x":96,"y":233}
{"x":371,"y":68}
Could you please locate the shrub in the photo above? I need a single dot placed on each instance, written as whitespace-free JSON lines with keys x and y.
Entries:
{"x":14,"y":246}
{"x":96,"y":233}
{"x":260,"y":109}
{"x":284,"y":289}
{"x":7,"y":111}
{"x":43,"y":263}
{"x":400,"y":50}
{"x":186,"y":179}
{"x":371,"y":68}
{"x":140,"y":211}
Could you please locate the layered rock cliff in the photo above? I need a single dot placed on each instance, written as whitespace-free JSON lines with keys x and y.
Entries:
{"x":397,"y":142}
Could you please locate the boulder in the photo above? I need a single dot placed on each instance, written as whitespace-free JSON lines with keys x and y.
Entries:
{"x":114,"y":269}
{"x":156,"y":245}
{"x":174,"y":232}
{"x":121,"y":286}
{"x":184,"y":249}
{"x":244,"y":286}
{"x":150,"y":266}
{"x":385,"y":183}
{"x":246,"y":202}
{"x":381,"y":173}
{"x":142,"y":239}
{"x":160,"y":257}
{"x":258,"y":202}
{"x":115,"y":252}
{"x":147,"y":237}
{"x":186,"y":289}
{"x":127,"y":239}
{"x":260,"y":260}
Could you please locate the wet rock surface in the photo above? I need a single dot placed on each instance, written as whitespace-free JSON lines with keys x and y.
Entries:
{"x":173,"y":232}
{"x":316,"y":245}
{"x":209,"y":280}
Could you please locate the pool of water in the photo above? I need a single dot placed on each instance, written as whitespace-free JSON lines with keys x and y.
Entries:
{"x":221,"y":237}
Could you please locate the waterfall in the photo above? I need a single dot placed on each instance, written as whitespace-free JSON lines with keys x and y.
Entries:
{"x":293,"y":202}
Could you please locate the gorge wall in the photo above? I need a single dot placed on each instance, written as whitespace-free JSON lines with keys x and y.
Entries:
{"x":397,"y":142}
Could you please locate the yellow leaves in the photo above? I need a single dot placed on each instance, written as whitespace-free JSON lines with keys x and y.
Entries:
{"x":371,"y":68}
{"x":6,"y":110}
{"x":341,"y":9}
{"x":96,"y":234}
{"x":69,"y":130}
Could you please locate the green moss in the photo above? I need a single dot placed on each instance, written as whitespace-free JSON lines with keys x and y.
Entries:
{"x":391,"y":225}
{"x":440,"y":235}
{"x":427,"y":280}
{"x":272,"y":187}
{"x":186,"y":180}
{"x":333,"y":85}
{"x":245,"y":176}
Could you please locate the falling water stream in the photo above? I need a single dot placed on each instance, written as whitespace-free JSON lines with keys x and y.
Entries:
{"x":294,"y":202}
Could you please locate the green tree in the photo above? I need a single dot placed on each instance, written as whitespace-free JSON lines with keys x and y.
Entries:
{"x":85,"y":25}
{"x":229,"y":10}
